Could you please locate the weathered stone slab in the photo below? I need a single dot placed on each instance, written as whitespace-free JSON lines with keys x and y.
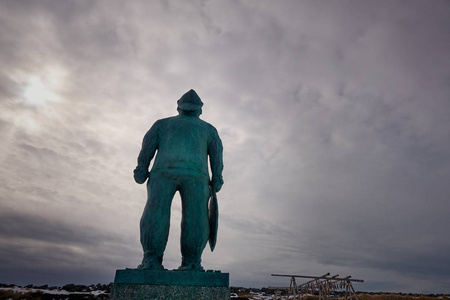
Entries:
{"x":122,"y":291}
{"x":135,"y":284}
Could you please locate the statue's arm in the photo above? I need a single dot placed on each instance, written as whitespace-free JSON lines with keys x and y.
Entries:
{"x":215,"y":151}
{"x":149,"y":146}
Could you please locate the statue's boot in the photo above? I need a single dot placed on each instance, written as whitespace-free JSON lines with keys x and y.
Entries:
{"x":195,"y":268}
{"x":151,"y":263}
{"x":192,"y":265}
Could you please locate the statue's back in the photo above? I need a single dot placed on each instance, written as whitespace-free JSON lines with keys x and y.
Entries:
{"x":183,"y":144}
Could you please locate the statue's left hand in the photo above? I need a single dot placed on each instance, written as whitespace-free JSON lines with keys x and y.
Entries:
{"x":140,"y":175}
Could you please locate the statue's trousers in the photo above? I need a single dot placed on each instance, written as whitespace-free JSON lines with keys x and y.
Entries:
{"x":155,"y":221}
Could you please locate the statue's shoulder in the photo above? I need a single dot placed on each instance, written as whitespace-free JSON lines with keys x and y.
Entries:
{"x":163,"y":121}
{"x":207,"y":125}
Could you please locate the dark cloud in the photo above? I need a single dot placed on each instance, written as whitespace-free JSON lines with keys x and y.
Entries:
{"x":70,"y":251}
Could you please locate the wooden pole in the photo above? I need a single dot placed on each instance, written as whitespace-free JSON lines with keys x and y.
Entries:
{"x":320,"y":277}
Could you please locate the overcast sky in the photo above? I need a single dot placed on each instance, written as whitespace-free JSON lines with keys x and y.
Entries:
{"x":334,"y":116}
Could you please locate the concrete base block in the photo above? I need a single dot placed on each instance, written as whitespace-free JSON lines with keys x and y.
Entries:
{"x":121,"y":291}
{"x":133,"y":284}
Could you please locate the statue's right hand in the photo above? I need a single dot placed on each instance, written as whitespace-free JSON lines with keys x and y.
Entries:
{"x":140,"y":175}
{"x":216,"y":183}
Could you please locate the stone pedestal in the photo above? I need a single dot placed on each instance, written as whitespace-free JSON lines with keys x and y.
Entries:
{"x":134,"y":284}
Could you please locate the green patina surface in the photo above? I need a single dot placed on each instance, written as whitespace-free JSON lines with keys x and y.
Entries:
{"x":180,"y":146}
{"x":150,"y":277}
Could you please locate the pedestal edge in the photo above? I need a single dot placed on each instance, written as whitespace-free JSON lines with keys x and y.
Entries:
{"x":150,"y":277}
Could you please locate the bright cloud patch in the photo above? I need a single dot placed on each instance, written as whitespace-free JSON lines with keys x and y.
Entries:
{"x":36,"y":93}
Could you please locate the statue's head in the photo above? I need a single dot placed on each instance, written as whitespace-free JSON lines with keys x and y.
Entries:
{"x":190,"y":103}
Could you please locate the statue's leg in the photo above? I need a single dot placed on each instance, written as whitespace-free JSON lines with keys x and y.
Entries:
{"x":155,"y":221}
{"x":194,"y":224}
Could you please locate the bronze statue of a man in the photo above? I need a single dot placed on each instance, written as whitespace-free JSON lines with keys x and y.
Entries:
{"x":183,"y":144}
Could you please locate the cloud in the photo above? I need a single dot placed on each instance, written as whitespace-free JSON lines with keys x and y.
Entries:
{"x":30,"y":242}
{"x":333,"y":117}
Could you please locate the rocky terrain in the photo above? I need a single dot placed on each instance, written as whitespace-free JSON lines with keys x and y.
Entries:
{"x":101,"y":292}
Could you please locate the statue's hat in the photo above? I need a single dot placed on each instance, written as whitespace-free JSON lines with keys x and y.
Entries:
{"x":190,"y":101}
